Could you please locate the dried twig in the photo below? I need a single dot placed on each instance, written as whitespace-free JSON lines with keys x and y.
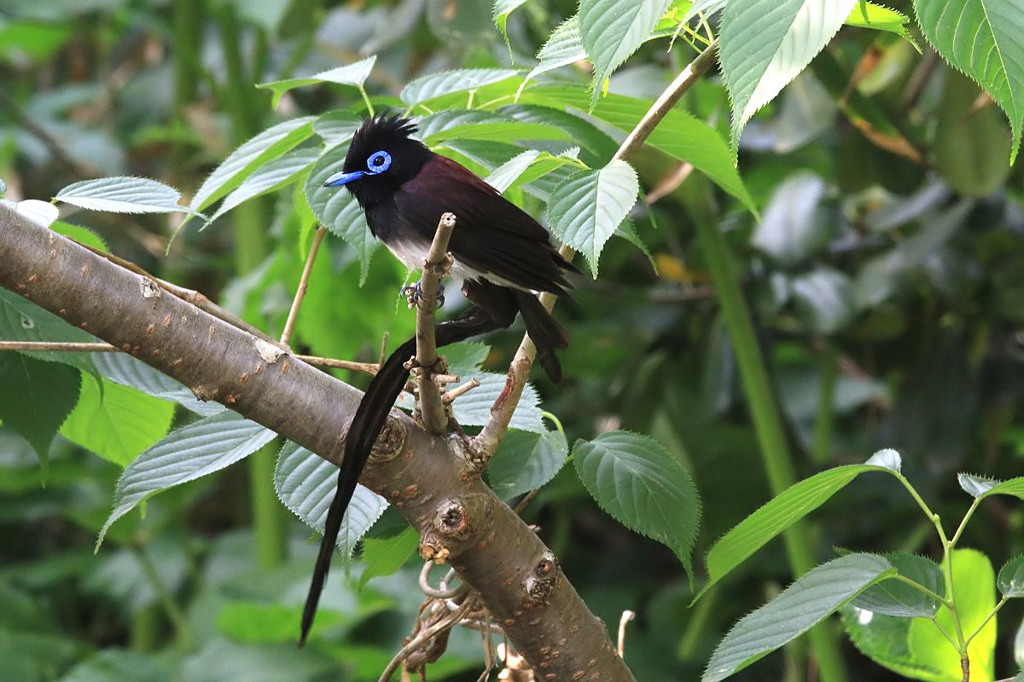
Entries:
{"x":300,"y":293}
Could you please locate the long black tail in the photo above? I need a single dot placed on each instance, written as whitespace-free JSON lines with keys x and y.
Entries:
{"x":366,"y":425}
{"x":494,"y":308}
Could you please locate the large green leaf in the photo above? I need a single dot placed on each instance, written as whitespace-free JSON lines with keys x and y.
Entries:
{"x":117,"y":423}
{"x":612,"y":30}
{"x":767,"y":43}
{"x":306,"y":485}
{"x":898,"y":598}
{"x":123,"y":195}
{"x":36,"y":398}
{"x":680,"y":135}
{"x":783,"y":511}
{"x":269,"y":177}
{"x":250,"y":155}
{"x":982,"y":39}
{"x":185,"y":454}
{"x":563,"y":47}
{"x":470,"y":124}
{"x":808,"y":601}
{"x":437,"y":85}
{"x":640,"y":483}
{"x":587,"y":208}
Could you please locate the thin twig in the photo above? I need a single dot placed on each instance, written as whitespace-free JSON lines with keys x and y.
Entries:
{"x":370,"y":368}
{"x":486,"y":442}
{"x":61,"y":346}
{"x":300,"y":293}
{"x":435,"y":266}
{"x":451,"y":395}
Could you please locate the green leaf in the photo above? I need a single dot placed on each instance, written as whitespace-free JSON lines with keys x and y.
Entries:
{"x":563,"y":47}
{"x":306,"y":484}
{"x":338,"y":210}
{"x":588,"y":206}
{"x":271,"y":176}
{"x":123,"y":195}
{"x":250,"y":155}
{"x":501,"y":11}
{"x":22,"y":320}
{"x":612,"y":30}
{"x":897,"y":598}
{"x":823,"y":298}
{"x":482,"y":125}
{"x":974,"y":580}
{"x":385,"y":556}
{"x":984,"y":487}
{"x":527,"y":167}
{"x":1011,"y":578}
{"x":337,"y":127}
{"x":354,"y":74}
{"x":82,"y":235}
{"x":636,"y":480}
{"x":805,"y":603}
{"x":186,"y":454}
{"x":679,"y":134}
{"x":881,"y":18}
{"x":427,"y":88}
{"x":117,"y":423}
{"x":975,"y":486}
{"x":796,"y":502}
{"x":526,"y":461}
{"x":982,"y":39}
{"x":766,"y":43}
{"x":36,"y":398}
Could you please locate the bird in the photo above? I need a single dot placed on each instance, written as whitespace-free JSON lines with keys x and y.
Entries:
{"x":502,"y":254}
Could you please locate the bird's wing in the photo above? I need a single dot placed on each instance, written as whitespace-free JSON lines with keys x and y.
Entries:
{"x":492,"y":236}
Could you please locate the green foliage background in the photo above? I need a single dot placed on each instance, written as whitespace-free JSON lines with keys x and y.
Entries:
{"x":876,"y":239}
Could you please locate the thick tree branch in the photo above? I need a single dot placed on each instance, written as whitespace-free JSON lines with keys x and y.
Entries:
{"x":431,"y":480}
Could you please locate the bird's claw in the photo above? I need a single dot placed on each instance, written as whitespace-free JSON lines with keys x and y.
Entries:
{"x":414,"y":294}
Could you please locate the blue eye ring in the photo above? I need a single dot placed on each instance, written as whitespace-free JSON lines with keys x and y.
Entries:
{"x":378,"y":162}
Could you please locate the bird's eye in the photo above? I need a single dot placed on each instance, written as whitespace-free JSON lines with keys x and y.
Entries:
{"x":378,"y":162}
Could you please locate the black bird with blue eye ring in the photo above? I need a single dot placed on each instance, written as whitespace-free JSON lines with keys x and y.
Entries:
{"x":502,"y":254}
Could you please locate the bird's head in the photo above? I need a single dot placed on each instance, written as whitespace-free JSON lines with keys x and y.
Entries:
{"x":381,"y":157}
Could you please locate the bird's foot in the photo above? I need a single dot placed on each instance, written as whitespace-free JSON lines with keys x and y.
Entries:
{"x":414,"y":294}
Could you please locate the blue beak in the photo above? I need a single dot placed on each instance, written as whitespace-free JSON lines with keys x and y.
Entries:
{"x":343,"y":178}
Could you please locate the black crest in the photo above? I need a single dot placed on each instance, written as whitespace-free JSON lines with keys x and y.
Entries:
{"x":390,"y":134}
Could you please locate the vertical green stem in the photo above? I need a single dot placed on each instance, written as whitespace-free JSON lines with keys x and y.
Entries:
{"x":767,"y":418}
{"x":826,"y":399}
{"x":252,"y":244}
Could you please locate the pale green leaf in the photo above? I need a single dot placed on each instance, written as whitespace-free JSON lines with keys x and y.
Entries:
{"x":186,"y":454}
{"x":250,"y":155}
{"x":436,"y":85}
{"x":781,"y":512}
{"x":563,"y":47}
{"x":809,"y":600}
{"x":127,"y":370}
{"x":612,"y":30}
{"x":306,"y":484}
{"x":766,"y":43}
{"x":271,"y":176}
{"x":643,"y":486}
{"x":525,"y":461}
{"x":123,"y":195}
{"x":589,"y":205}
{"x":899,"y":598}
{"x":117,"y":423}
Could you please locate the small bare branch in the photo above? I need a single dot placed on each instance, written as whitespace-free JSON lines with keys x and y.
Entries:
{"x":627,"y":616}
{"x":451,"y":395}
{"x":435,"y":266}
{"x":300,"y":293}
